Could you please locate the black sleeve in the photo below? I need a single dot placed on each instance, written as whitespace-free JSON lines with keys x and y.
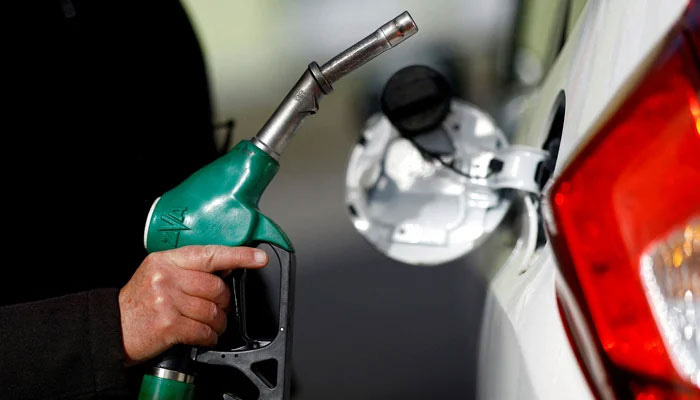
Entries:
{"x":65,"y":347}
{"x":106,"y":107}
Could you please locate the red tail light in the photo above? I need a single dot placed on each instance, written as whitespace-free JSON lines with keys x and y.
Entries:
{"x":627,"y":216}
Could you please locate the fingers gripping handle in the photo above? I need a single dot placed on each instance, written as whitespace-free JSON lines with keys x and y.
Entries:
{"x":173,"y":375}
{"x":247,"y":358}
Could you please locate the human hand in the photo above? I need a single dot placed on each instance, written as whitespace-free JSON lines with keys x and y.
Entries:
{"x":174,"y":297}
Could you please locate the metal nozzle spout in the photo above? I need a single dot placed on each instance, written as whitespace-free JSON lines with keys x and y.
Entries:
{"x":387,"y":36}
{"x":399,"y":29}
{"x":316,"y":81}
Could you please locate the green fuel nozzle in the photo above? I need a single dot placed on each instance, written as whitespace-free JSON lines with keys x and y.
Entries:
{"x":219,"y":205}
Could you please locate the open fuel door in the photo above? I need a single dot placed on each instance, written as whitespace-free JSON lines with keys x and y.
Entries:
{"x":431,"y":177}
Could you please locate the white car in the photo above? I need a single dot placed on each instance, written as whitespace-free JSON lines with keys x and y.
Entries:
{"x":606,"y":303}
{"x":609,"y":306}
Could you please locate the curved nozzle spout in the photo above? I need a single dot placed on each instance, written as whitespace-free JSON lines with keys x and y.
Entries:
{"x":399,"y":29}
{"x":387,"y":36}
{"x":316,"y":81}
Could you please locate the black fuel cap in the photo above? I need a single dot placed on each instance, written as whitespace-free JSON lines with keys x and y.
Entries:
{"x":416,"y":99}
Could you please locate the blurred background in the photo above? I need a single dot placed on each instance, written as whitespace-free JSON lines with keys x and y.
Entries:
{"x":367,"y":327}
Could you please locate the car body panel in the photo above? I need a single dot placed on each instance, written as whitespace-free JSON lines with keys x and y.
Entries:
{"x":525,"y":353}
{"x":524,"y":349}
{"x":610,"y":45}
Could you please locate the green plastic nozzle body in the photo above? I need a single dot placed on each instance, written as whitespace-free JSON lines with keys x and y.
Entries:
{"x":218,"y":205}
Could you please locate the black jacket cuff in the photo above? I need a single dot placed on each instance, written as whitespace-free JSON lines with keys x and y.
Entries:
{"x":105,"y":336}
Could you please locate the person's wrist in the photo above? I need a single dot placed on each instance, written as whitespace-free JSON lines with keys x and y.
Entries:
{"x":128,"y":360}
